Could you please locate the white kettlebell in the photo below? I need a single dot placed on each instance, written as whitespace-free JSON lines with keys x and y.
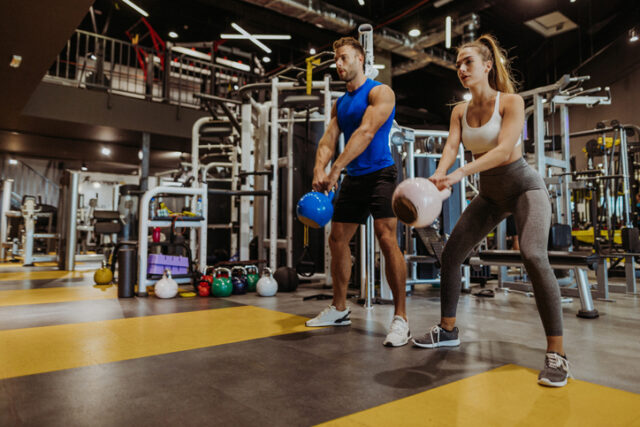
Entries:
{"x":166,"y":287}
{"x":417,"y":202}
{"x":267,"y":285}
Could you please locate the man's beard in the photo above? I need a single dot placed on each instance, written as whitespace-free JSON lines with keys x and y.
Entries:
{"x":349,"y":76}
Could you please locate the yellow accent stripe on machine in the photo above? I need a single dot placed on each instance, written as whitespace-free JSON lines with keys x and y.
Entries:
{"x":53,"y":348}
{"x":53,"y":295}
{"x":506,"y":396}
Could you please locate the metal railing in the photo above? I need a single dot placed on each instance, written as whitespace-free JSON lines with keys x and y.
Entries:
{"x":97,"y":62}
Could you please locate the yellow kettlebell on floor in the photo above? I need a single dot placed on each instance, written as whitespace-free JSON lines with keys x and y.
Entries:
{"x":103,"y":276}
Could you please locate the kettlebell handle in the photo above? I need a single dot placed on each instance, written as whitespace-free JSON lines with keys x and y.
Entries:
{"x":331,"y":195}
{"x":237,"y":267}
{"x":221,"y":270}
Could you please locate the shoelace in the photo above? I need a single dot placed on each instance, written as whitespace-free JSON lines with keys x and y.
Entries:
{"x":397,"y":326}
{"x":325,"y":311}
{"x":435,"y":332}
{"x":556,"y":361}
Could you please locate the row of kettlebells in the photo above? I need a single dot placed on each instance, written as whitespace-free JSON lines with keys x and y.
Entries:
{"x":224,"y":282}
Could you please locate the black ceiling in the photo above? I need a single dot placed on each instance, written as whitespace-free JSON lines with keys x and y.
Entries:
{"x":537,"y":60}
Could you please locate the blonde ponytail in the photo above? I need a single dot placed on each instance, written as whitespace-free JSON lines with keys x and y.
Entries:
{"x":500,"y":77}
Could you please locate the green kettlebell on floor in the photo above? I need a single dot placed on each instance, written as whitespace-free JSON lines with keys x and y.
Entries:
{"x":252,"y":277}
{"x":221,"y":287}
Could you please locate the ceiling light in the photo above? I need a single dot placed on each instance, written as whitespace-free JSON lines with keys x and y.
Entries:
{"x":441,"y":3}
{"x":312,"y":51}
{"x":96,"y":185}
{"x":136,"y":8}
{"x":467,"y":96}
{"x":414,"y":32}
{"x":16,"y":60}
{"x":235,"y":87}
{"x":140,"y":154}
{"x":255,"y":41}
{"x":84,"y":167}
{"x":572,"y":1}
{"x":447,"y":32}
{"x":633,"y":35}
{"x":173,"y":34}
{"x":266,"y":59}
{"x":190,"y":52}
{"x":92,"y":56}
{"x":377,"y":66}
{"x":13,"y":162}
{"x":237,"y":65}
{"x":361,"y":2}
{"x":257,"y":36}
{"x":105,"y":151}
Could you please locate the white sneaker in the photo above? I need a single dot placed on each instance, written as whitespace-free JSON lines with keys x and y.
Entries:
{"x":399,"y":333}
{"x":331,"y":317}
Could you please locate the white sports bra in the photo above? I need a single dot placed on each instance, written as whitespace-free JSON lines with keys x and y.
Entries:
{"x":482,"y":139}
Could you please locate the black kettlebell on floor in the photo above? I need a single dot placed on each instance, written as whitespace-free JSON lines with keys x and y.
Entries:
{"x":287,"y":279}
{"x":239,"y":280}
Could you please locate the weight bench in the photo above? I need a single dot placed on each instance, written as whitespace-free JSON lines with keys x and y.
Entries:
{"x":576,"y":261}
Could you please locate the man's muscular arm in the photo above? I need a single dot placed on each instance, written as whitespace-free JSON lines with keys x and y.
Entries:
{"x":326,"y":149}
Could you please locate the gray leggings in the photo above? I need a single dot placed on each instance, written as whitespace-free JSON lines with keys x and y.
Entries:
{"x":515,"y":189}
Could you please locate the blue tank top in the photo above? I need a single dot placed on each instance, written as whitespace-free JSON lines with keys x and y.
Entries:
{"x":350,"y":109}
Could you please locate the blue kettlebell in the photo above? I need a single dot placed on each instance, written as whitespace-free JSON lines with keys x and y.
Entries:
{"x":238,"y":280}
{"x":315,"y":209}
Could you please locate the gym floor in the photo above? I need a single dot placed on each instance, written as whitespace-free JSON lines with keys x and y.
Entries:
{"x":74,"y":354}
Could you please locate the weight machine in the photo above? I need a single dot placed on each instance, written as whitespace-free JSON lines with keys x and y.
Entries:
{"x":23,"y":244}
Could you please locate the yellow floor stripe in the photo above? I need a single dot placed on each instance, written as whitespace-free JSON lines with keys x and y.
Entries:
{"x":37,"y":264}
{"x":39,"y":275}
{"x":506,"y":396}
{"x":53,"y":348}
{"x":53,"y":295}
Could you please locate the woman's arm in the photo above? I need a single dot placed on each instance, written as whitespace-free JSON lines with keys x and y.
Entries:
{"x":450,"y":151}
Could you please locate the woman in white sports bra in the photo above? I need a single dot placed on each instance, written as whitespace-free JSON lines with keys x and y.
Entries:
{"x":490,"y":126}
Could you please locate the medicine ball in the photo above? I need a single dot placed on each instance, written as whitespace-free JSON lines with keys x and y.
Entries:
{"x":287,"y":279}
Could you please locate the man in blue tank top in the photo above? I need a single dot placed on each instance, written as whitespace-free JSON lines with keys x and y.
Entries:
{"x":364,"y":115}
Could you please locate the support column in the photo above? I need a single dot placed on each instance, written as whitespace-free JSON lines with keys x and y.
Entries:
{"x":144,"y":164}
{"x":71,"y":213}
{"x":4,"y":207}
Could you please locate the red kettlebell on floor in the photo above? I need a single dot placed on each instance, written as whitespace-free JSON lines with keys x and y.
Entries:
{"x":204,"y":287}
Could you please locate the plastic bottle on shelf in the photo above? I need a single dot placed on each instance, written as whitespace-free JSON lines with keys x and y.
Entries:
{"x":199,"y":207}
{"x":153,"y":207}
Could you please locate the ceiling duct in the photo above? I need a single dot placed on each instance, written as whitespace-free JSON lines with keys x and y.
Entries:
{"x":315,"y":12}
{"x":419,"y":52}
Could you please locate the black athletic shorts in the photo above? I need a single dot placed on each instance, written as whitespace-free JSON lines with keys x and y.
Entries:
{"x":511,"y":226}
{"x":366,"y":194}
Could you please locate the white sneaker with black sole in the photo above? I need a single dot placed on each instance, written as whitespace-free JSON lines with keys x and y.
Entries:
{"x":331,"y":317}
{"x":399,"y":333}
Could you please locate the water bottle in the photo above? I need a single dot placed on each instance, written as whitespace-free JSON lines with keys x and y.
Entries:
{"x":153,"y":206}
{"x":199,"y":207}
